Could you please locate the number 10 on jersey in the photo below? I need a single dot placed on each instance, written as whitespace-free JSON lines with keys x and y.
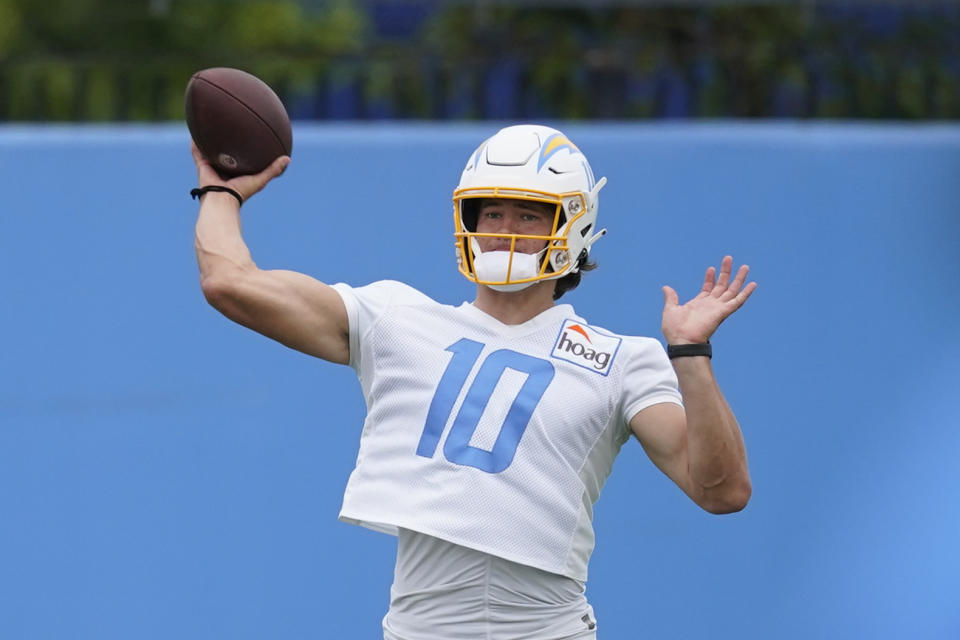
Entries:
{"x":457,"y":448}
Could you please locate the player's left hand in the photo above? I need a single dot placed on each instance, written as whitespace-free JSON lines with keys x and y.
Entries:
{"x":696,"y":320}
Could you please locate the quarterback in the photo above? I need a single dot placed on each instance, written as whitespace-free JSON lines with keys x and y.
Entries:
{"x":492,"y":425}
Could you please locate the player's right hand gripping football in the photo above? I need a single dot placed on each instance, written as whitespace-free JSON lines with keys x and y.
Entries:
{"x":246,"y":186}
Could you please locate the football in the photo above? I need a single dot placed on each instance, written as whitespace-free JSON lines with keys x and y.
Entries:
{"x":238,"y":122}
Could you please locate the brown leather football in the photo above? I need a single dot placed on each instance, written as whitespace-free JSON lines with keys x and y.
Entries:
{"x":237,"y":121}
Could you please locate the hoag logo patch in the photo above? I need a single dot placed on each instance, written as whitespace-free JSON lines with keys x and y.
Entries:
{"x":586,"y":347}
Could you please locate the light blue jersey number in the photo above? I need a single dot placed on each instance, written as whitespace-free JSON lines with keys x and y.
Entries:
{"x":457,"y":448}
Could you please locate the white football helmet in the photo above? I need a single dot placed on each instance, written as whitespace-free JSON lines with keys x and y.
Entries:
{"x":527,"y":162}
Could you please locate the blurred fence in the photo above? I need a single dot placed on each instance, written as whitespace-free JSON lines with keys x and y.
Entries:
{"x":403,"y":60}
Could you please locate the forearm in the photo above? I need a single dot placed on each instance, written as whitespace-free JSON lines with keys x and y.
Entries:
{"x":717,"y":461}
{"x":218,"y":241}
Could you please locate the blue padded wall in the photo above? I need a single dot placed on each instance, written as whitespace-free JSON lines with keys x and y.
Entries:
{"x":165,"y":473}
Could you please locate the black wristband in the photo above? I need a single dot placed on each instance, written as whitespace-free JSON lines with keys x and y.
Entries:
{"x":686,"y":350}
{"x":199,"y":191}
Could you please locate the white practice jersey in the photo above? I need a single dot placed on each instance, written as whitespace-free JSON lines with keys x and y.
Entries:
{"x":491,"y":436}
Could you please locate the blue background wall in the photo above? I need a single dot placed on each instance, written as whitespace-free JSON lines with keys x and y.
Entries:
{"x":167,"y":474}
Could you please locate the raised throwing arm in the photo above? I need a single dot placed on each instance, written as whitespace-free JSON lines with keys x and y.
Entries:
{"x":700,"y":446}
{"x":292,"y":308}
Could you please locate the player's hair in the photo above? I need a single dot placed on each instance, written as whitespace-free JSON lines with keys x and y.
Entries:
{"x":571,"y":280}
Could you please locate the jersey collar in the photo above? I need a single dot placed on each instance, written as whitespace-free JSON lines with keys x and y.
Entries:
{"x":549,"y":317}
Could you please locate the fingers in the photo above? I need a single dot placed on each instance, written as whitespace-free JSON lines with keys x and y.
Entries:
{"x":723,"y":281}
{"x":738,"y":281}
{"x":743,"y":295}
{"x":198,"y":158}
{"x":724,"y":289}
{"x":733,"y":295}
{"x":708,"y":280}
{"x":206,"y":174}
{"x":197,"y":154}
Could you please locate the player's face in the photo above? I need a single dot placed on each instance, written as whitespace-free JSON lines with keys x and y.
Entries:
{"x":516,"y":217}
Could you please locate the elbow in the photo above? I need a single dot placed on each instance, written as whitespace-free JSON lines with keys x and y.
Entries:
{"x":731,"y":498}
{"x":220,"y":290}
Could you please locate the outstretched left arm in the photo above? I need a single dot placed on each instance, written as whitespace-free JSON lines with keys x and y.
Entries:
{"x":700,"y":446}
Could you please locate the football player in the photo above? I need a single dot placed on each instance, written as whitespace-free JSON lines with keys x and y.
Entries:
{"x":492,"y":425}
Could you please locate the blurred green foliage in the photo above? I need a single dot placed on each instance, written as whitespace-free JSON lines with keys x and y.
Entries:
{"x":129,"y":60}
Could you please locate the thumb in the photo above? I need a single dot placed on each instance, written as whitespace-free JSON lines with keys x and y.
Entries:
{"x":252,"y":184}
{"x":670,"y":297}
{"x":279,"y":166}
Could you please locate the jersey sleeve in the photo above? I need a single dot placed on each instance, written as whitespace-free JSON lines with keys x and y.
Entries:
{"x":649,"y":378}
{"x":367,"y":305}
